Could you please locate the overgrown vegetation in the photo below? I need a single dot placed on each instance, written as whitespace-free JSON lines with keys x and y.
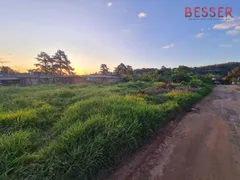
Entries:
{"x":233,"y":76}
{"x":75,"y":131}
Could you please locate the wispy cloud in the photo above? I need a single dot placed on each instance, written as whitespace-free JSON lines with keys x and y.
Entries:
{"x":142,"y":15}
{"x":233,"y":32}
{"x":168,"y":46}
{"x":200,"y":35}
{"x":227,"y":24}
{"x":109,"y":4}
{"x":225,"y":45}
{"x":237,"y":27}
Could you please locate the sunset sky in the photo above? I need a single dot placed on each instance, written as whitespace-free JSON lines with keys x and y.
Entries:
{"x":140,"y":33}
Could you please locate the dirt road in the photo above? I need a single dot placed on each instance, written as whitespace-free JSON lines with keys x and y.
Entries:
{"x":205,"y":145}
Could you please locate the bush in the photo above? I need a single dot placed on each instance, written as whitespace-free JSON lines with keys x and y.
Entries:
{"x":195,"y":83}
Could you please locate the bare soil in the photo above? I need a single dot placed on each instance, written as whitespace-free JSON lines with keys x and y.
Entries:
{"x":204,"y":145}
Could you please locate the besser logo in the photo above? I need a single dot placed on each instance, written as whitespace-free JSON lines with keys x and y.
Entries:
{"x":205,"y":12}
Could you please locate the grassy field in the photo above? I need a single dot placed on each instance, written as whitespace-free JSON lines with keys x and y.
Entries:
{"x":75,"y":131}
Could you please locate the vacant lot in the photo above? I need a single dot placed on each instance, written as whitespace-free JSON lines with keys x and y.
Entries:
{"x":75,"y":131}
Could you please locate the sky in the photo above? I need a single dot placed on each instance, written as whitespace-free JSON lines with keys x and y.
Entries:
{"x":140,"y":33}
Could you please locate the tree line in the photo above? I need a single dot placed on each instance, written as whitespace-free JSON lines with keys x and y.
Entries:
{"x":59,"y":64}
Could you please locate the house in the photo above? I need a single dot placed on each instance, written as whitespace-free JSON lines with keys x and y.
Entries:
{"x":9,"y":81}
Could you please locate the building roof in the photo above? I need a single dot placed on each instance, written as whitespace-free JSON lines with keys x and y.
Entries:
{"x":102,"y":76}
{"x":8,"y":78}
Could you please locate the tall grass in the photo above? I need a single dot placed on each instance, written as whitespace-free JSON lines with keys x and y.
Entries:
{"x":74,"y":132}
{"x":12,"y":148}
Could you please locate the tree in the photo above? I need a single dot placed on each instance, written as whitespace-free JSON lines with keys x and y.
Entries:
{"x":121,"y":69}
{"x":125,"y":71}
{"x":62,"y":64}
{"x":59,"y":64}
{"x":7,"y":70}
{"x":182,"y":73}
{"x":150,"y":76}
{"x":53,"y":66}
{"x":43,"y":62}
{"x":129,"y":70}
{"x":104,"y":69}
{"x":163,"y":68}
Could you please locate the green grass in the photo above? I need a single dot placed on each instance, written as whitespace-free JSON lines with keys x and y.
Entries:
{"x":75,"y":131}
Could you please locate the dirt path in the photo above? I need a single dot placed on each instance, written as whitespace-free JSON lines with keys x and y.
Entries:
{"x":205,"y":145}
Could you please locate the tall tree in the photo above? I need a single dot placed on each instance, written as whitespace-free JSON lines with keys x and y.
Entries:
{"x":104,"y":69}
{"x":125,"y":71}
{"x":129,"y":70}
{"x":63,"y":64}
{"x":43,"y":62}
{"x":122,"y":69}
{"x":53,"y":65}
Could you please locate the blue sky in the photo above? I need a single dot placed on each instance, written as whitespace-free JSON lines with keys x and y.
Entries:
{"x":141,"y":33}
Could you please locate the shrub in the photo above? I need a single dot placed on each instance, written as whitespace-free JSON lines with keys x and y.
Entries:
{"x":195,"y":83}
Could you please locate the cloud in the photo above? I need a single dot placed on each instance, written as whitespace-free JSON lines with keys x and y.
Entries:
{"x":109,"y":4}
{"x":200,"y":35}
{"x":225,"y":45}
{"x":237,"y":27}
{"x":142,"y":15}
{"x":168,"y":46}
{"x":233,"y":32}
{"x":227,"y":24}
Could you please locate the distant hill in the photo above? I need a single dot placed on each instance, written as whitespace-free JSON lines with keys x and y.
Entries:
{"x":217,"y":69}
{"x":220,"y":69}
